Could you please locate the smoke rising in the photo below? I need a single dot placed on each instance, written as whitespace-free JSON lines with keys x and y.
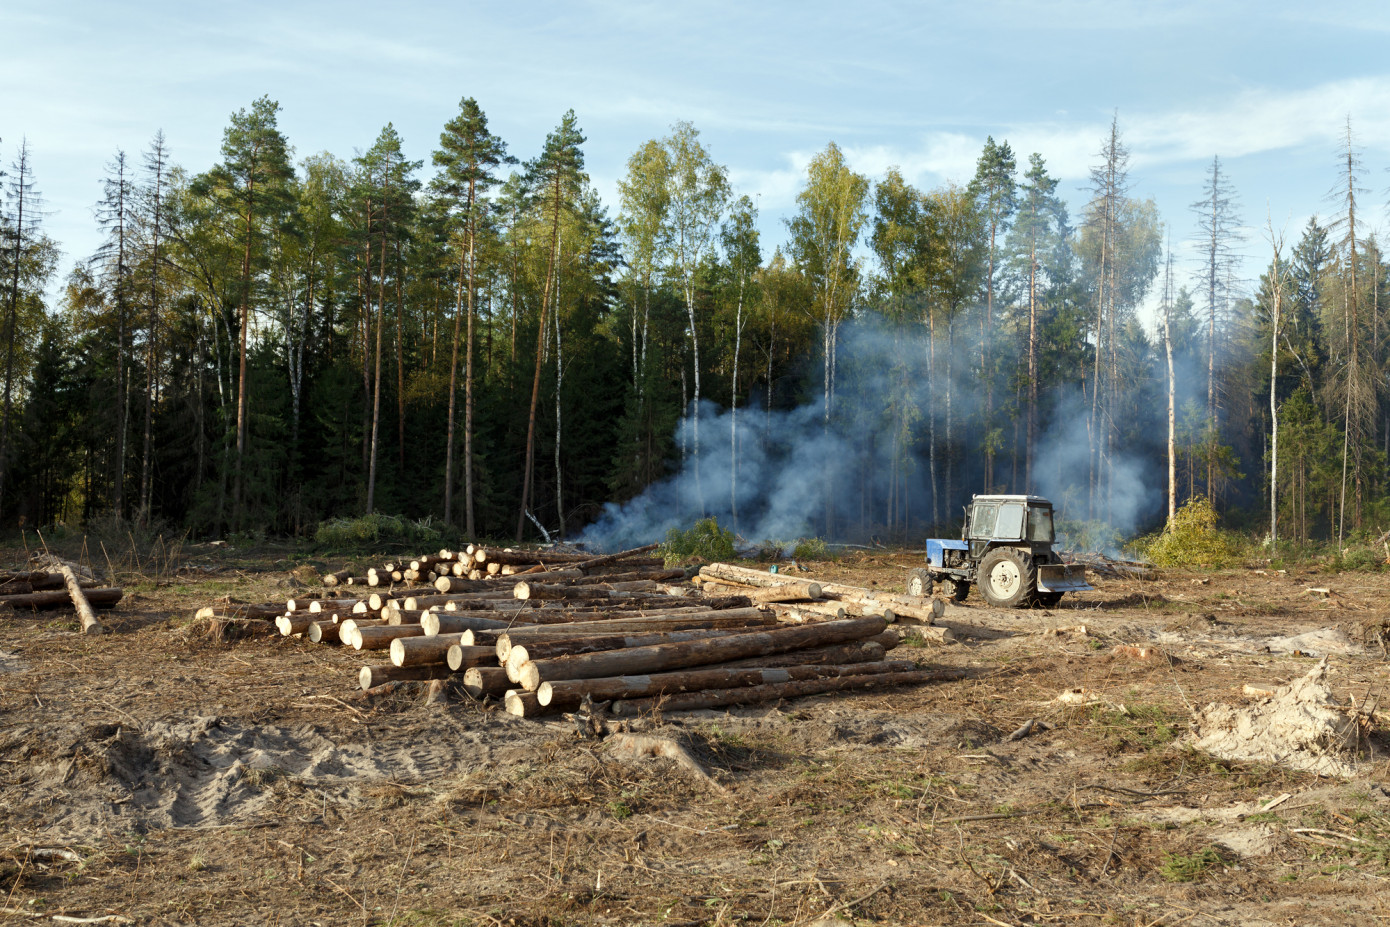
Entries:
{"x":868,"y":474}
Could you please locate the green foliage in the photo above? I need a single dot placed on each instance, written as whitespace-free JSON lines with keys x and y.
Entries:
{"x":1193,"y":868}
{"x":1193,"y":539}
{"x":372,"y":530}
{"x":705,"y":540}
{"x":812,"y":549}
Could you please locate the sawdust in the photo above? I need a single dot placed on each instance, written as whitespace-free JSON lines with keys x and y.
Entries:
{"x":1300,"y":726}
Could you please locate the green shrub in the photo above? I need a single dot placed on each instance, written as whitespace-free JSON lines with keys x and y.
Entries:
{"x":705,"y":540}
{"x":811,"y":549}
{"x":374,"y":530}
{"x":1194,"y":540}
{"x":1180,"y":868}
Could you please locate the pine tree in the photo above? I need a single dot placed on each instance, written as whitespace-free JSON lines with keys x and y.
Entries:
{"x":468,"y":155}
{"x":995,"y":190}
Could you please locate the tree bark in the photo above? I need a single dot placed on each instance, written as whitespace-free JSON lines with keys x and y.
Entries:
{"x":752,"y":695}
{"x":696,"y":653}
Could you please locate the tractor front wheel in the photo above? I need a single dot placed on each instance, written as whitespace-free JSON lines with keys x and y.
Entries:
{"x":956,"y":589}
{"x":1007,"y":578}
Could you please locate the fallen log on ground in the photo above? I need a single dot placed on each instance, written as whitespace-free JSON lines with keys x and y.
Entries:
{"x":231,"y":610}
{"x":567,"y":693}
{"x":752,"y":695}
{"x":323,"y":632}
{"x":104,"y":598}
{"x":369,"y":677}
{"x":604,"y":560}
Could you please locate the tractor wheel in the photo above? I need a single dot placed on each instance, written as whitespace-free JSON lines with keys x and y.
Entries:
{"x":1049,"y":599}
{"x":919,"y":583}
{"x":1007,"y":578}
{"x":956,"y":589}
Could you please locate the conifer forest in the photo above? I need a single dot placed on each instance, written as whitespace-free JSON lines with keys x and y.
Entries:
{"x":273,"y":340}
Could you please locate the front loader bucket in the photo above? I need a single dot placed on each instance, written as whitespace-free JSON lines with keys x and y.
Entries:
{"x":1062,"y":577}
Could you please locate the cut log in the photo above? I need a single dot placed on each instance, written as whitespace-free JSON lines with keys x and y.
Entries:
{"x":543,"y":648}
{"x":448,"y":584}
{"x":336,"y":579}
{"x":752,"y":695}
{"x":697,"y":653}
{"x":807,"y":611}
{"x":482,"y":681}
{"x":323,"y":632}
{"x":292,"y":624}
{"x":567,"y":693}
{"x":462,"y":657}
{"x":263,"y":612}
{"x":534,"y":590}
{"x":326,"y":605}
{"x":528,"y":557}
{"x":369,"y":677}
{"x":421,"y":650}
{"x":725,"y":572}
{"x":107,"y":598}
{"x":346,"y":628}
{"x":523,"y":704}
{"x":435,"y":623}
{"x":605,"y":559}
{"x":866,"y":651}
{"x":396,"y":615}
{"x":381,"y":636}
{"x":16,"y":588}
{"x":90,"y":624}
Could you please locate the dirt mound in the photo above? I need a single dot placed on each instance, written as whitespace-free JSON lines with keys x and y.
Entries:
{"x":1300,"y":726}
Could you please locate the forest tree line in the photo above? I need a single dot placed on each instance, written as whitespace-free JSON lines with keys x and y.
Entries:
{"x":481,"y":341}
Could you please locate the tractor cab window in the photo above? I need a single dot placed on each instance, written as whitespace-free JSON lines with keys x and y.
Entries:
{"x":982,"y":520}
{"x":1009,"y":527}
{"x":1040,"y":524}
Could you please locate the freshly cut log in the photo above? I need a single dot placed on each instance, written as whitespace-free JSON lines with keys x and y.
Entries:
{"x":481,"y":681}
{"x":548,"y":616}
{"x":16,"y":588}
{"x":543,"y":648}
{"x":807,"y":611}
{"x":90,"y":624}
{"x":567,"y":693}
{"x":394,"y":615}
{"x":625,"y":627}
{"x":436,"y":623}
{"x":725,"y":572}
{"x":697,"y":653}
{"x":369,"y":677}
{"x":497,"y":555}
{"x":522,"y":704}
{"x":347,"y":628}
{"x":293,"y":624}
{"x":788,"y":592}
{"x":531,"y":590}
{"x":752,"y":695}
{"x":381,"y":636}
{"x":462,"y":657}
{"x":865,"y":651}
{"x":335,"y":579}
{"x":264,"y":612}
{"x":448,"y":584}
{"x":925,"y":610}
{"x":605,"y":559}
{"x":323,"y":632}
{"x":327,"y":605}
{"x":337,"y":614}
{"x":418,"y":651}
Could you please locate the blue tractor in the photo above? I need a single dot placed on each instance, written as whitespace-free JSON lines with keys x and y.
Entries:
{"x":1005,"y":549}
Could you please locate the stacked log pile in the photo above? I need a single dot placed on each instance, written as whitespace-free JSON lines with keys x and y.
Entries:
{"x":542,"y":632}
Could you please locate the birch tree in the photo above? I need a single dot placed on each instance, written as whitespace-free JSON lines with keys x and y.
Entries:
{"x":697,"y":193}
{"x":739,"y":237}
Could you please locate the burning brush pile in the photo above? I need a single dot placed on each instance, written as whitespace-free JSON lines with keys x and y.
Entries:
{"x":543,"y":631}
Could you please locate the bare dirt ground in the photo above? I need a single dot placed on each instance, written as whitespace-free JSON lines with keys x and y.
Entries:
{"x":191,"y":781}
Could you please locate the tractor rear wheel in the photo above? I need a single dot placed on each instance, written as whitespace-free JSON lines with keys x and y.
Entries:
{"x":1007,"y":577}
{"x":919,"y":583}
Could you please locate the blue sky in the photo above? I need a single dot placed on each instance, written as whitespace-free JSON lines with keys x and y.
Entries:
{"x":1266,"y":86}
